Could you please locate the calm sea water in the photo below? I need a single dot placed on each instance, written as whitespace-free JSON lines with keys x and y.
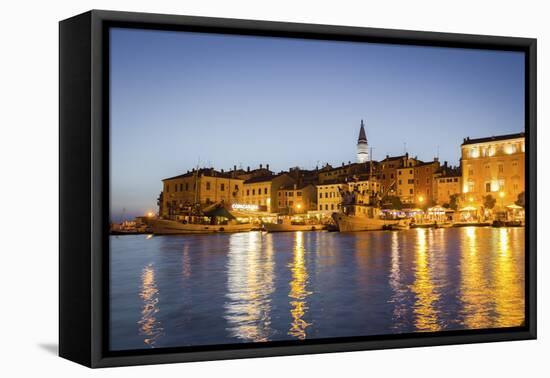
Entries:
{"x":169,"y":291}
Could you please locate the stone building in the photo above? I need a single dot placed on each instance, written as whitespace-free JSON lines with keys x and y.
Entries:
{"x":387,"y":172}
{"x":493,"y":166}
{"x":297,"y":199}
{"x":362,"y":145}
{"x":263,"y":191}
{"x":423,"y":182}
{"x":204,"y":186}
{"x":447,"y":181}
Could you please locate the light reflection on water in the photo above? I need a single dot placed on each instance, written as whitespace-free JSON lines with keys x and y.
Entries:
{"x":149,"y":327}
{"x":253,"y":287}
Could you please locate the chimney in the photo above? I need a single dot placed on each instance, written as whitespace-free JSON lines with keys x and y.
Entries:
{"x":342,"y":164}
{"x":248,"y":169}
{"x":234,"y":167}
{"x":267,"y":167}
{"x":222,"y":170}
{"x":436,"y":159}
{"x":260,"y":166}
{"x":445,"y":163}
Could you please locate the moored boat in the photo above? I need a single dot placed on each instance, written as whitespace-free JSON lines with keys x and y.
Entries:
{"x":168,"y":227}
{"x":286,"y":225}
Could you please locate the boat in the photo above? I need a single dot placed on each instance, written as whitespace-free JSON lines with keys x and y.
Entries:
{"x":367,"y":220}
{"x":214,"y":218}
{"x":286,"y":225}
{"x":172,"y":227}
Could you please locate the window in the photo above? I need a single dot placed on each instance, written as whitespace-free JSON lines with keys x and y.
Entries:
{"x":320,"y":207}
{"x":236,"y":188}
{"x":265,"y":190}
{"x":471,"y":186}
{"x":391,"y":176}
{"x":400,"y":182}
{"x":299,"y":194}
{"x":167,"y":188}
{"x":501,"y":184}
{"x":222,"y":187}
{"x":487,"y":187}
{"x":326,"y":207}
{"x":455,"y":180}
{"x":500,"y":168}
{"x":410,"y":171}
{"x":326,"y":195}
{"x":399,"y":173}
{"x":186,"y":186}
{"x":332,"y":206}
{"x":247,"y":192}
{"x":290,"y":203}
{"x":411,"y":181}
{"x":320,"y":195}
{"x":181,"y":187}
{"x":208,"y":186}
{"x":411,"y":191}
{"x":253,"y":192}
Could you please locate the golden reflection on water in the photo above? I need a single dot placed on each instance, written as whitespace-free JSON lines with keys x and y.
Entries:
{"x":492,"y":288}
{"x":426,"y":316}
{"x":400,"y":308}
{"x":509,"y":284}
{"x":250,"y":285}
{"x":298,"y":292}
{"x":149,"y":326}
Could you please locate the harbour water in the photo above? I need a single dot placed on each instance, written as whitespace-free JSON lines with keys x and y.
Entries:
{"x":189,"y":290}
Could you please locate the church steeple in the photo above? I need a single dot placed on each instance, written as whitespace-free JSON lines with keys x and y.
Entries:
{"x":362,"y":134}
{"x":362,"y":145}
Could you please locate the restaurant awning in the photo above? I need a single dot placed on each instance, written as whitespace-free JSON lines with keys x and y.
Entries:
{"x":468,"y":208}
{"x":219,"y":212}
{"x":514,"y":207}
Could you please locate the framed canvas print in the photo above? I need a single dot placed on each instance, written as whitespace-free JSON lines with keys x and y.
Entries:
{"x":234,"y":188}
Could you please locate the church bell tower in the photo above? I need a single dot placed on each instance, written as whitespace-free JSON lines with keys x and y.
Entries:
{"x":362,"y":145}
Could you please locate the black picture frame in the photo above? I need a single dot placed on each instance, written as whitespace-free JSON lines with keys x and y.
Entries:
{"x":84,"y":186}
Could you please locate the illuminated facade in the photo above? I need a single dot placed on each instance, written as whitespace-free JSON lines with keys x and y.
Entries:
{"x":405,"y":185}
{"x":263,"y":191}
{"x":329,"y":198}
{"x":423,"y":182}
{"x":203,"y":186}
{"x":494,"y":166}
{"x":297,"y":199}
{"x":447,"y":182}
{"x":388,"y":174}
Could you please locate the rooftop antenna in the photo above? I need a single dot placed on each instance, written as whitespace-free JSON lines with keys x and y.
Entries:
{"x":438,"y":151}
{"x":404,"y":147}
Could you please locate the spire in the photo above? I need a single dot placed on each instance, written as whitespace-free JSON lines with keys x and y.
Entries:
{"x":362,"y":134}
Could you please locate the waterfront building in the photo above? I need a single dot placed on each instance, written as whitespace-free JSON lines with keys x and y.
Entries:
{"x":493,"y":166}
{"x":263,"y":191}
{"x":405,"y":185}
{"x":347,"y":171}
{"x":387,"y":172}
{"x":362,"y":145}
{"x":203,"y":186}
{"x":423,"y":182}
{"x":447,"y":182}
{"x":329,"y":197}
{"x":297,"y":199}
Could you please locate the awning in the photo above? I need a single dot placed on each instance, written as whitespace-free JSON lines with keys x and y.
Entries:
{"x":219,"y":212}
{"x":514,"y":207}
{"x":468,"y":208}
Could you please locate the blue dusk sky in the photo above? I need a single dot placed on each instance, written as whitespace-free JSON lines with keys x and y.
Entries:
{"x":179,"y":99}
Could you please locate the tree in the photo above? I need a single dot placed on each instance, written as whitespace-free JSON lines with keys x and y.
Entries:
{"x":489,"y":201}
{"x":392,"y":202}
{"x":521,"y":199}
{"x":453,"y":201}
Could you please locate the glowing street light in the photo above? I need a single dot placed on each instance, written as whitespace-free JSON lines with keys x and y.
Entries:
{"x":150,"y":214}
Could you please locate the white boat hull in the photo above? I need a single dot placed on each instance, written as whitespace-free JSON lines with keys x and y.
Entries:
{"x":274,"y":227}
{"x":169,"y":227}
{"x":349,"y":223}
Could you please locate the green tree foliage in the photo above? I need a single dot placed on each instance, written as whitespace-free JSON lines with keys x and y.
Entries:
{"x":392,"y":202}
{"x":521,"y":199}
{"x":489,"y":201}
{"x":453,"y":201}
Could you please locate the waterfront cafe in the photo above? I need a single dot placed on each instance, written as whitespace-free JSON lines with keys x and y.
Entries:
{"x":439,"y":214}
{"x":393,"y":214}
{"x":468,"y":214}
{"x":416,"y":214}
{"x":249,"y":213}
{"x":515,"y":213}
